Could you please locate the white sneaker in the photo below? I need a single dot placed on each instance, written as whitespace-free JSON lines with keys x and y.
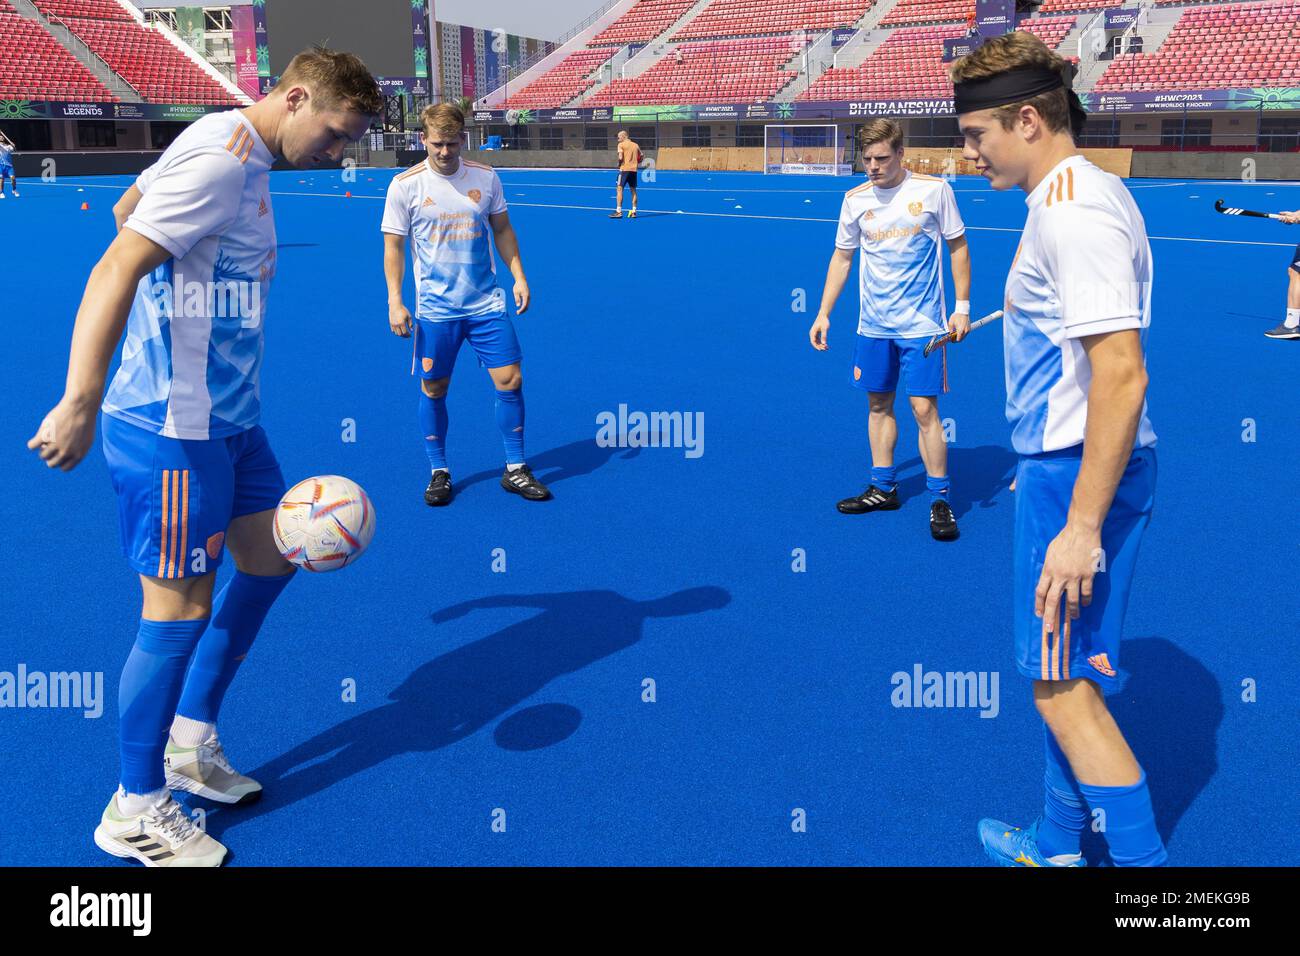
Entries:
{"x":161,"y":836}
{"x":205,"y":772}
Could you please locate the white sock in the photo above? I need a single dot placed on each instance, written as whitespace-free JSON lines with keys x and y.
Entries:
{"x":191,"y":733}
{"x":1065,"y":859}
{"x":1292,"y":318}
{"x":447,"y":470}
{"x":134,"y":804}
{"x":510,"y":467}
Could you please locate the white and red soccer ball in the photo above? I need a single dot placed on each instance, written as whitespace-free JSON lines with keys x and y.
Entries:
{"x":324,"y":523}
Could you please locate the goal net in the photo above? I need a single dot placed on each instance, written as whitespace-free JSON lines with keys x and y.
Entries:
{"x":804,"y":150}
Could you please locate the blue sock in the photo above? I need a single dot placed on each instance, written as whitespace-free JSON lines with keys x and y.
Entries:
{"x":433,"y":425}
{"x":1064,"y":812}
{"x":884,"y":478}
{"x":938,"y":487}
{"x":237,"y":616}
{"x":510,"y":419}
{"x":146,"y":698}
{"x":1130,"y":823}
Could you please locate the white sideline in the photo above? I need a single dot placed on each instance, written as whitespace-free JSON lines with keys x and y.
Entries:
{"x":673,"y":212}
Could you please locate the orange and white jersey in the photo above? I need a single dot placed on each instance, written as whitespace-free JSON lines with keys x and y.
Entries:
{"x":1083,"y":268}
{"x":194,"y":338}
{"x":900,"y":233}
{"x":447,"y":218}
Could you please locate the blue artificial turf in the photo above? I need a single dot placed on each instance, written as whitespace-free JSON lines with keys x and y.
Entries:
{"x":522,"y":691}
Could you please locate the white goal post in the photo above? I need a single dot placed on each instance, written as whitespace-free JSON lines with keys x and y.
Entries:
{"x":805,"y":149}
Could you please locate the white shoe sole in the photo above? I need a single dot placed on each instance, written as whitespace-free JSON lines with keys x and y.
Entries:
{"x":176,"y":781}
{"x":110,"y":846}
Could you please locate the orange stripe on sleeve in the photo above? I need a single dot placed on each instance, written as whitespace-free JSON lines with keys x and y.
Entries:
{"x":175,"y":508}
{"x":162,"y":537}
{"x":1069,"y":176}
{"x":234,"y":137}
{"x":185,"y":521}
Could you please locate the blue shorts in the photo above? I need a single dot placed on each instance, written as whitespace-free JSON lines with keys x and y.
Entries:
{"x":1295,"y":259}
{"x":877,"y":362}
{"x":1044,"y":486}
{"x":176,"y":498}
{"x":6,"y":170}
{"x":436,"y":344}
{"x":627,"y":177}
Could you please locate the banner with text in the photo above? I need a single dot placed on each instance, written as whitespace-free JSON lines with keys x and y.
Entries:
{"x":1120,"y":19}
{"x":995,"y":17}
{"x":244,"y":38}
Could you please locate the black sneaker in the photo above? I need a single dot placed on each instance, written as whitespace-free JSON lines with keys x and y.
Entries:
{"x":873,"y":499}
{"x":521,"y":482}
{"x":1283,"y":332}
{"x":439,"y":490}
{"x":943,"y":526}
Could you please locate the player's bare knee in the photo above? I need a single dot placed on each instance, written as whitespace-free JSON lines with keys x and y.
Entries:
{"x":251,"y":543}
{"x":881,"y":403}
{"x":177,"y":599}
{"x":508,"y":379}
{"x":435,"y":388}
{"x":926,"y":412}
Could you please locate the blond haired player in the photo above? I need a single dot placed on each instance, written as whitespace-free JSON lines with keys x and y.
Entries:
{"x":193,"y":470}
{"x":629,"y":161}
{"x":897,"y":224}
{"x":449,"y":207}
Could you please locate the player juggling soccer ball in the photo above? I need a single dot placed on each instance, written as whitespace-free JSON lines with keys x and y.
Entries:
{"x":449,"y":207}
{"x":1078,"y":306}
{"x":7,"y":148}
{"x":897,"y":223}
{"x":193,"y":470}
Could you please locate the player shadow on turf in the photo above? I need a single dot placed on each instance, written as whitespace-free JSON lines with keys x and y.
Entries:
{"x":979,"y":475}
{"x":1170,"y":710}
{"x":460,"y":692}
{"x":559,"y":464}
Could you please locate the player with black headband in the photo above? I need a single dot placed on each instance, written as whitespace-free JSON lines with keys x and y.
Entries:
{"x":1078,"y":306}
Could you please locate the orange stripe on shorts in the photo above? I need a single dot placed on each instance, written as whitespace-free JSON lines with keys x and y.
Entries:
{"x":175,"y":509}
{"x":162,"y":541}
{"x":185,"y":520}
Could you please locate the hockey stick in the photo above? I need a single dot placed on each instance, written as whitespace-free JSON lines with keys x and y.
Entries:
{"x":1234,"y":211}
{"x":939,"y":340}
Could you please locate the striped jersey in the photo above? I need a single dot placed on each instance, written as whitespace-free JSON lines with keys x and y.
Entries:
{"x":193,"y":346}
{"x":447,"y":220}
{"x":899,"y":233}
{"x":1083,"y":268}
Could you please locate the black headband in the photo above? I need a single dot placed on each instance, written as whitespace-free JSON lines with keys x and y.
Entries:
{"x":1016,"y":86}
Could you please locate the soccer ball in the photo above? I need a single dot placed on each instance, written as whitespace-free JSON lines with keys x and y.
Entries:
{"x":323,"y":523}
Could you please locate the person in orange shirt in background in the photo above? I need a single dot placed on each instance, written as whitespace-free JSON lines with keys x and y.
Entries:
{"x":629,"y":161}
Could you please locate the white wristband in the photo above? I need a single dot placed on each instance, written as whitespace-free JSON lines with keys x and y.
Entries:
{"x":963,"y":306}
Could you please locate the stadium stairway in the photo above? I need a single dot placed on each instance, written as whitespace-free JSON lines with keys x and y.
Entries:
{"x":860,"y":46}
{"x":643,"y":59}
{"x":78,"y":48}
{"x":574,"y":44}
{"x":1160,"y":23}
{"x":200,"y":62}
